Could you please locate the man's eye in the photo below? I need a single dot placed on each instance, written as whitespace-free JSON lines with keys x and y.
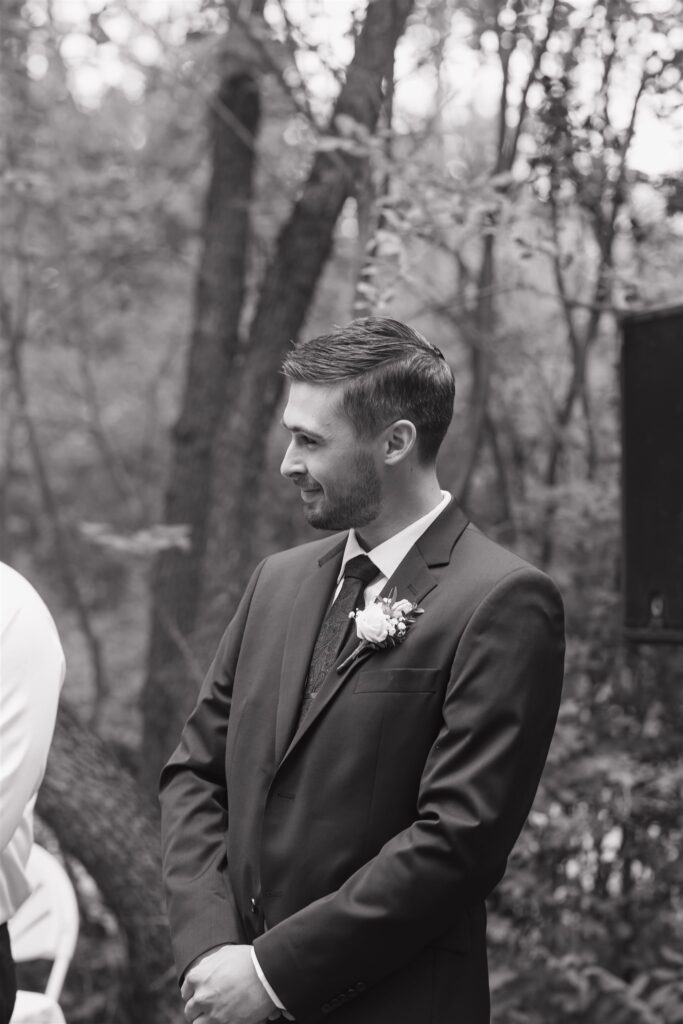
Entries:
{"x":308,"y":442}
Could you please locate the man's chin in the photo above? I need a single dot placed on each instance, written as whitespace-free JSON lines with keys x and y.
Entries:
{"x":327,"y":519}
{"x":317,"y":518}
{"x":321,"y":518}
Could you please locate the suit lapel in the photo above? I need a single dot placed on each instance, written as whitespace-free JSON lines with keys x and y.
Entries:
{"x":304,"y":624}
{"x":413,"y":580}
{"x":437,"y":542}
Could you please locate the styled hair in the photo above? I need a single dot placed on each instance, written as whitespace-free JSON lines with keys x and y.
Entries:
{"x":389,"y":372}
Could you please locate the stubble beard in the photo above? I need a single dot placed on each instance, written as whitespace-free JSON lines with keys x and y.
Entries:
{"x":355,"y":508}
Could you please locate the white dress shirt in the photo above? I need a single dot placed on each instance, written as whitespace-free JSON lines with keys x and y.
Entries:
{"x":387,"y":556}
{"x":31,"y":675}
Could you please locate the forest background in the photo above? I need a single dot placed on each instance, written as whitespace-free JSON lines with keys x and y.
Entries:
{"x":187,"y":186}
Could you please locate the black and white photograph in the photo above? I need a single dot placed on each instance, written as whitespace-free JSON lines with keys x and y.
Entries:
{"x":341,"y":511}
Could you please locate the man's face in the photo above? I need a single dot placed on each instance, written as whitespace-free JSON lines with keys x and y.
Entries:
{"x":336,"y":471}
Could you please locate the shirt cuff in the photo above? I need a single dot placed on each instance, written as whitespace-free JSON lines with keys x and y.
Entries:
{"x":264,"y":981}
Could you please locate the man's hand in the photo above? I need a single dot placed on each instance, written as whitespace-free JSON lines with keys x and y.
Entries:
{"x":222,"y":987}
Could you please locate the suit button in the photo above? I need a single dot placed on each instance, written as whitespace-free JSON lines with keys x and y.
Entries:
{"x":326,"y":1008}
{"x":253,"y":905}
{"x":361,"y":986}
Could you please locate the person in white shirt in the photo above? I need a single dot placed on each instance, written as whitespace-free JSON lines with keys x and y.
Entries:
{"x":32,"y":668}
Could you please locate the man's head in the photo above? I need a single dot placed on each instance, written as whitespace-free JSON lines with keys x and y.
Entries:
{"x":387,"y":372}
{"x":367,"y":399}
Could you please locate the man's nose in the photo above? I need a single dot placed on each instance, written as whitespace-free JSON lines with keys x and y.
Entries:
{"x":292,"y":464}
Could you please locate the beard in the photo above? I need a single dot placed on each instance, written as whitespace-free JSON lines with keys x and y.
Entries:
{"x":357,"y":506}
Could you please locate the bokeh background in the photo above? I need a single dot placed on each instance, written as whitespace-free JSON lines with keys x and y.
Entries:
{"x":187,"y":186}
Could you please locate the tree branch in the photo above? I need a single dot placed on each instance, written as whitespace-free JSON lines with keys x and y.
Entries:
{"x":302,"y":251}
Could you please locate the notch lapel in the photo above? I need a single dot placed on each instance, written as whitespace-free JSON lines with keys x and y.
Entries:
{"x":412,"y":580}
{"x":306,"y":617}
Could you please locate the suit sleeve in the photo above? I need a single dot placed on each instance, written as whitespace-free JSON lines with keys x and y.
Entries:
{"x":194,"y":812}
{"x":476,"y":790}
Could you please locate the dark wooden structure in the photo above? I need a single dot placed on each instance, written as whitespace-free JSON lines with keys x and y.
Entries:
{"x":652,"y":474}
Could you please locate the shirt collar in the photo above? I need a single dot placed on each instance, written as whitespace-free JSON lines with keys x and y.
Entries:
{"x":388,"y":555}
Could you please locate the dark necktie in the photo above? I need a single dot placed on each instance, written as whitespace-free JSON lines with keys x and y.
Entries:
{"x":358,"y":572}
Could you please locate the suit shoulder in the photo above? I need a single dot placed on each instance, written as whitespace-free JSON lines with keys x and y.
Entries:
{"x":309,"y":553}
{"x":489,"y":563}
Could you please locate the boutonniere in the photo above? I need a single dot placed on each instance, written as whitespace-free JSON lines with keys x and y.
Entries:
{"x":383,"y":623}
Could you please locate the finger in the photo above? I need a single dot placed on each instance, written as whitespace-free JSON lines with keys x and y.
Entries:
{"x":193,"y":1009}
{"x":186,"y":990}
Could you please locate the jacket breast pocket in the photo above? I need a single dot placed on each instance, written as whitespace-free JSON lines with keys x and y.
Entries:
{"x":398,"y":680}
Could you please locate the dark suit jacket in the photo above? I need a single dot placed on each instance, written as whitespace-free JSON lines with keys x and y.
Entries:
{"x":356,"y":852}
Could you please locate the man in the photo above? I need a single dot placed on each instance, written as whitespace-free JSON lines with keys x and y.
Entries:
{"x":334,"y":818}
{"x":31,"y":676}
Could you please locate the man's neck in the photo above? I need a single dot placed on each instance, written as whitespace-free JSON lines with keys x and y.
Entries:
{"x":399,"y":512}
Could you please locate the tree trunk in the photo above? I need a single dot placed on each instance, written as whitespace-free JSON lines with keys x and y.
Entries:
{"x":480,"y":361}
{"x":172,"y":673}
{"x":580,"y":346}
{"x":482,"y":352}
{"x":94,"y":808}
{"x":303,"y":249}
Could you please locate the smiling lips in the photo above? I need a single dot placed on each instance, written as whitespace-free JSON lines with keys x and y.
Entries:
{"x":305,"y":487}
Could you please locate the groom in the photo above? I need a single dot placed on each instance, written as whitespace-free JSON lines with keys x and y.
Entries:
{"x":333,"y":825}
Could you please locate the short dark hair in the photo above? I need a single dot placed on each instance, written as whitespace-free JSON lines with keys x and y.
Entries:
{"x":390,"y":372}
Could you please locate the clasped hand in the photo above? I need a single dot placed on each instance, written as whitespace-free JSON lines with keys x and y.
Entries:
{"x":222,"y":987}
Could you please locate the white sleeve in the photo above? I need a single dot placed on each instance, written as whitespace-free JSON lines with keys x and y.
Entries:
{"x":32,"y":670}
{"x":264,"y":981}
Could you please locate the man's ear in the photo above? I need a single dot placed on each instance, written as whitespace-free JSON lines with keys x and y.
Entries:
{"x":400,"y":438}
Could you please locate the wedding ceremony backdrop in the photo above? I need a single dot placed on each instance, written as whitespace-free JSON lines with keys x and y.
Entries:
{"x":188,"y":186}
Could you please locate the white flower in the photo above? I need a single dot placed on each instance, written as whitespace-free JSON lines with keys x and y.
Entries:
{"x":372,"y":624}
{"x":401,"y":608}
{"x":384,"y":623}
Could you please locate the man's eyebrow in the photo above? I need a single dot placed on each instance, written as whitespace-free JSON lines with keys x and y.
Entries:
{"x":294,"y":429}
